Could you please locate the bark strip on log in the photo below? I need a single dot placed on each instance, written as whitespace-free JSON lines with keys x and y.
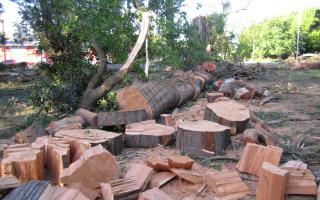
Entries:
{"x":121,"y":117}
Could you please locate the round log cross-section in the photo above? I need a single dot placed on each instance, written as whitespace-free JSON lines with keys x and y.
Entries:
{"x":228,"y":113}
{"x":193,"y":137}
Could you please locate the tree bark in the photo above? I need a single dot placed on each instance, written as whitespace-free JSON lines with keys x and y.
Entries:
{"x":93,"y":93}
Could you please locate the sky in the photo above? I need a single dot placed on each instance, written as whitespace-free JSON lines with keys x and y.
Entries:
{"x":242,"y":14}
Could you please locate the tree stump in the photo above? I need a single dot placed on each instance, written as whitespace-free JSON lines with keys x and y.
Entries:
{"x":228,"y":113}
{"x":147,"y":134}
{"x":109,"y":140}
{"x":193,"y":137}
{"x":121,"y":117}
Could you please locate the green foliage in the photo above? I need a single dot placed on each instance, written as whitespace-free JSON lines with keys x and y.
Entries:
{"x":109,"y":102}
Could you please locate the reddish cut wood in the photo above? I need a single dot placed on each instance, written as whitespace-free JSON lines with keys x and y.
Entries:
{"x":109,"y":140}
{"x":250,"y":135}
{"x":154,"y":194}
{"x":254,"y":155}
{"x":301,"y":181}
{"x":228,"y":113}
{"x":90,"y":118}
{"x":194,"y":137}
{"x":120,"y":189}
{"x":122,"y":117}
{"x":63,"y":193}
{"x":243,"y":93}
{"x":272,"y":182}
{"x":166,"y":119}
{"x":74,"y":122}
{"x":222,"y":99}
{"x":183,"y":162}
{"x":95,"y":166}
{"x":161,"y":178}
{"x":158,"y":164}
{"x":147,"y":134}
{"x":209,"y":66}
{"x":226,"y":185}
{"x":211,"y":97}
{"x":141,"y":173}
{"x":188,"y":175}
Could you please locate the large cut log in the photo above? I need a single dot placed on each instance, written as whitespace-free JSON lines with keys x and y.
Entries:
{"x":141,"y":173}
{"x":205,"y":77}
{"x":226,"y":185}
{"x":193,"y":137}
{"x":94,"y":167}
{"x":120,"y":189}
{"x":154,"y":194}
{"x":254,"y":155}
{"x":185,"y":88}
{"x":166,"y":119}
{"x":121,"y":117}
{"x":147,"y":134}
{"x":90,"y":118}
{"x":109,"y":140}
{"x":55,"y":193}
{"x":272,"y":183}
{"x":228,"y":113}
{"x":23,"y":162}
{"x":74,"y":122}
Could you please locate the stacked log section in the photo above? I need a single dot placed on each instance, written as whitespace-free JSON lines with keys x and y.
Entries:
{"x":147,"y":134}
{"x":228,"y":113}
{"x":121,"y":117}
{"x":194,"y":137}
{"x":205,"y":77}
{"x":185,"y":89}
{"x":109,"y":140}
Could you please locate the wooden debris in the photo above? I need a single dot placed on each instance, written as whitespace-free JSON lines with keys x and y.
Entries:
{"x":272,"y":182}
{"x":147,"y":134}
{"x":122,"y":117}
{"x":222,"y":99}
{"x":90,"y":118}
{"x":30,"y":134}
{"x":161,"y":178}
{"x":28,"y":191}
{"x":250,"y":135}
{"x":301,"y":181}
{"x":243,"y":93}
{"x":23,"y":162}
{"x":154,"y":194}
{"x":109,"y":140}
{"x":158,"y":164}
{"x":211,"y":97}
{"x":226,"y":185}
{"x":228,"y":113}
{"x":63,"y":193}
{"x":120,"y":189}
{"x":9,"y":182}
{"x":180,"y":162}
{"x":188,"y":175}
{"x":92,"y":194}
{"x":209,"y":66}
{"x":263,"y":129}
{"x":74,"y":122}
{"x":294,"y":164}
{"x":95,"y":166}
{"x":254,"y":155}
{"x":141,"y":173}
{"x":166,"y":119}
{"x":192,"y":137}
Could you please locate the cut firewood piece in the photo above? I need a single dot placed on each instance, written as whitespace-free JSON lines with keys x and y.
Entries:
{"x":228,"y":113}
{"x":141,"y":173}
{"x":90,"y":118}
{"x":154,"y":194}
{"x":95,"y":166}
{"x":166,"y":119}
{"x":158,"y":164}
{"x":301,"y":181}
{"x":272,"y":182}
{"x":209,"y":66}
{"x":31,"y":133}
{"x":9,"y":182}
{"x":109,"y":140}
{"x":222,"y":99}
{"x":226,"y":184}
{"x":161,"y":178}
{"x":250,"y":135}
{"x":120,"y":189}
{"x":194,"y":136}
{"x":179,"y":162}
{"x":74,"y":122}
{"x":254,"y":155}
{"x":295,"y":164}
{"x":58,"y":158}
{"x":122,"y":117}
{"x":205,"y":76}
{"x":188,"y":175}
{"x":147,"y":134}
{"x":28,"y":191}
{"x":63,"y":193}
{"x":23,"y":162}
{"x":243,"y":93}
{"x":211,"y":97}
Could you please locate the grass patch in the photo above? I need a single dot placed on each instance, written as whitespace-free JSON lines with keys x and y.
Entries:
{"x":269,"y":116}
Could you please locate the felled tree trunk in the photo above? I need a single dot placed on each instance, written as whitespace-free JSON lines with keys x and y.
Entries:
{"x":94,"y":92}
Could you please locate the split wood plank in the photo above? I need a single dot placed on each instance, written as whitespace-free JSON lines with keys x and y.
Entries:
{"x":193,"y":137}
{"x":272,"y":182}
{"x":147,"y":134}
{"x":120,"y":189}
{"x":122,"y":117}
{"x":180,"y":162}
{"x":158,"y":164}
{"x":161,"y":178}
{"x":294,"y":164}
{"x":141,"y":173}
{"x":254,"y":155}
{"x":95,"y":166}
{"x":90,"y":118}
{"x":154,"y":194}
{"x":188,"y":175}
